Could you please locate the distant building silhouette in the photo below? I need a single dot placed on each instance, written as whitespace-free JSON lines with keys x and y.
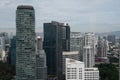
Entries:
{"x":111,"y":39}
{"x":12,"y":51}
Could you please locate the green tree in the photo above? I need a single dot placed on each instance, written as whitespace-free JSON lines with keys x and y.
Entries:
{"x":6,"y":71}
{"x":108,"y":72}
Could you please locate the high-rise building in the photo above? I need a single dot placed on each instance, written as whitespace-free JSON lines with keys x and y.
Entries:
{"x":2,"y":43}
{"x":25,"y":43}
{"x":66,"y":37}
{"x":41,"y":68}
{"x":88,"y":56}
{"x":3,"y":52}
{"x":89,"y":49}
{"x":53,"y":48}
{"x":102,"y":47}
{"x":12,"y":52}
{"x":70,"y":54}
{"x":75,"y":70}
{"x":112,"y":39}
{"x":76,"y":41}
{"x":89,"y":39}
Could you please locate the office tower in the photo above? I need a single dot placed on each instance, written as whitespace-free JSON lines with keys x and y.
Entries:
{"x":91,"y":74}
{"x":66,"y":38}
{"x":12,"y":52}
{"x":74,"y":69}
{"x":102,"y":48}
{"x":88,"y":56}
{"x":89,"y":39}
{"x":89,"y":49}
{"x":41,"y":68}
{"x":76,"y":41}
{"x":53,"y":49}
{"x":25,"y":43}
{"x":111,"y":39}
{"x":70,"y":54}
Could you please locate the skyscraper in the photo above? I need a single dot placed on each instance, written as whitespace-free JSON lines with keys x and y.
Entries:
{"x":111,"y":39}
{"x":25,"y":43}
{"x":41,"y":68}
{"x":76,"y":41}
{"x":75,"y":70}
{"x":89,"y":50}
{"x":53,"y":48}
{"x":88,"y":56}
{"x":66,"y":38}
{"x":12,"y":52}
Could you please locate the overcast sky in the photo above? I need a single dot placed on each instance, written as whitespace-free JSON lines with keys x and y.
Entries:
{"x":81,"y":15}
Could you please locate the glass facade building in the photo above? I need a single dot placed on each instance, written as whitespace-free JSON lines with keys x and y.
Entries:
{"x":25,"y":43}
{"x":53,"y":49}
{"x":66,"y":37}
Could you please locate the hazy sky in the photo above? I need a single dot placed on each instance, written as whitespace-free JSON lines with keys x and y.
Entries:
{"x":81,"y":15}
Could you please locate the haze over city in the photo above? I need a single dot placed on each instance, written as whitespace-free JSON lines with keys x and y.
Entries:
{"x":81,"y":15}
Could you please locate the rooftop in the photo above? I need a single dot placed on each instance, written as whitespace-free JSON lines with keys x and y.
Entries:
{"x":25,"y":7}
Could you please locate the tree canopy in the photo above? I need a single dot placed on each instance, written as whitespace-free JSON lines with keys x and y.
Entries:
{"x":108,"y":72}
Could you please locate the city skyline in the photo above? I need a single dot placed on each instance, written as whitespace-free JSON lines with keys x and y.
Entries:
{"x":82,"y":16}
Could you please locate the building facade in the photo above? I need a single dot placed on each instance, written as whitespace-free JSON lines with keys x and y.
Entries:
{"x":25,"y":43}
{"x":70,"y":54}
{"x":41,"y":68}
{"x":74,"y":69}
{"x":88,"y":56}
{"x":91,"y":74}
{"x":111,"y":39}
{"x":76,"y":41}
{"x":53,"y":48}
{"x":66,"y":37}
{"x":12,"y":52}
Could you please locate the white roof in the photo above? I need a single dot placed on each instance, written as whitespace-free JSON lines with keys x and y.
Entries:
{"x":70,"y":52}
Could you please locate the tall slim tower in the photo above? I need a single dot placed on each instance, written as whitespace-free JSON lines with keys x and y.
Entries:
{"x":41,"y":68}
{"x":89,"y":50}
{"x":66,"y":38}
{"x":53,"y":49}
{"x":88,"y":56}
{"x":25,"y":43}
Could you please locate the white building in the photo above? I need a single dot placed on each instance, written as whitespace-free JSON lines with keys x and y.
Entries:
{"x":91,"y":74}
{"x":70,"y":54}
{"x":89,"y":49}
{"x":75,"y":70}
{"x":2,"y":43}
{"x":3,"y":54}
{"x":88,"y":56}
{"x":89,"y":39}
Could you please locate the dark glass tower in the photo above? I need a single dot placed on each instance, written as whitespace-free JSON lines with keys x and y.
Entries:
{"x":12,"y":52}
{"x":53,"y":49}
{"x":25,"y":43}
{"x":66,"y":38}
